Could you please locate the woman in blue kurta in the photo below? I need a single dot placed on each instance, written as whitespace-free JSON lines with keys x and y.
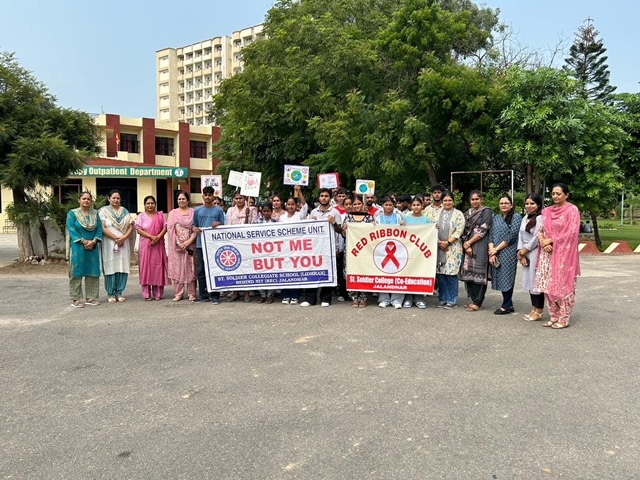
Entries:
{"x":503,"y":253}
{"x":84,"y":231}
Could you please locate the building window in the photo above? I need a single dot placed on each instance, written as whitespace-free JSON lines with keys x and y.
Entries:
{"x":66,"y":190}
{"x":198,"y":149}
{"x":164,"y":146}
{"x":129,"y":143}
{"x":194,"y":184}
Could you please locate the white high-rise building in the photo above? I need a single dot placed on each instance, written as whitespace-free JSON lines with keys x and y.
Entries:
{"x":187,"y":77}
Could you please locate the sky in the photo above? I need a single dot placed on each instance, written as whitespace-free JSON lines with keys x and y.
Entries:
{"x":100,"y":56}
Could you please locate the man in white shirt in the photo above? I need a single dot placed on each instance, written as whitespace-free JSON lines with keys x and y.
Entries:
{"x":332,"y":215}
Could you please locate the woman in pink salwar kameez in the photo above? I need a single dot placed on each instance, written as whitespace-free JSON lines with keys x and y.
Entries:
{"x":181,"y":248}
{"x":152,"y":254}
{"x":559,"y":260}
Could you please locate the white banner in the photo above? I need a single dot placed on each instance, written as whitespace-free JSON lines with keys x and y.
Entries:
{"x":270,"y":256}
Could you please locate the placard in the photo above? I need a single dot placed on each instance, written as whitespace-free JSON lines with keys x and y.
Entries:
{"x":250,"y":186}
{"x":235,"y":178}
{"x":391,"y":258}
{"x":328,"y":180}
{"x":214,"y":181}
{"x":270,"y":256}
{"x":365,"y":187}
{"x":296,"y":175}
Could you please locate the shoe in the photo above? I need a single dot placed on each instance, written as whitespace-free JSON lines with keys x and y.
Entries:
{"x":397,"y":306}
{"x":269,"y":300}
{"x":262,"y":300}
{"x":112,"y":300}
{"x":441,"y":304}
{"x":122,"y":299}
{"x":233,"y":297}
{"x":325,"y":304}
{"x":305,"y":304}
{"x":363,"y":303}
{"x":355,"y":304}
{"x":198,"y":300}
{"x":147,"y":299}
{"x":91,"y":302}
{"x":216,"y":301}
{"x":450,"y":306}
{"x":285,"y":301}
{"x":383,"y":304}
{"x":294,"y":301}
{"x":503,"y":311}
{"x":77,"y":304}
{"x":341,"y":298}
{"x":421,"y":305}
{"x":407,"y":304}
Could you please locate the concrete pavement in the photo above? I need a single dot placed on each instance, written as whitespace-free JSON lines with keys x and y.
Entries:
{"x":246,"y":391}
{"x":8,"y":248}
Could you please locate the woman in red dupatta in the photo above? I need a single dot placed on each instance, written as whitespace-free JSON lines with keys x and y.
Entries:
{"x":182,"y":240}
{"x":152,"y":255}
{"x":559,"y":260}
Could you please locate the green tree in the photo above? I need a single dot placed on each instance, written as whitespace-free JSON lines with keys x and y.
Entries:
{"x":587,"y":63}
{"x":553,"y":132}
{"x":40,"y":142}
{"x":373,"y":88}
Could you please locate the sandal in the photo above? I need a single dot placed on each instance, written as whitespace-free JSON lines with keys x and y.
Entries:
{"x":558,"y":325}
{"x":363,"y":303}
{"x":269,"y":300}
{"x":112,"y":300}
{"x":550,"y":323}
{"x":91,"y":302}
{"x":177,"y":299}
{"x":355,"y":304}
{"x":533,"y":316}
{"x":472,"y":307}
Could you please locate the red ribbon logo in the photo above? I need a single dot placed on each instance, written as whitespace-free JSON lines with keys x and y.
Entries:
{"x":390,"y":249}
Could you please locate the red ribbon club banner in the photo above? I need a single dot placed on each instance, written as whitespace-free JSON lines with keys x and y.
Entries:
{"x":391,"y":258}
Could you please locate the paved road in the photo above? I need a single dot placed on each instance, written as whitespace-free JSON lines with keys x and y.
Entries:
{"x":163,"y":390}
{"x":8,"y":248}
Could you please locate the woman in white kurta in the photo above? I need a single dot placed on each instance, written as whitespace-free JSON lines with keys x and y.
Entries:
{"x":528,"y":250}
{"x":117,"y":229}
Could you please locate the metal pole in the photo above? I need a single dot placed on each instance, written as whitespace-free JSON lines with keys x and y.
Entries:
{"x":622,"y":210}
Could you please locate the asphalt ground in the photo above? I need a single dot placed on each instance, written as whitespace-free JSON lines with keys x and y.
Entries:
{"x":249,"y":391}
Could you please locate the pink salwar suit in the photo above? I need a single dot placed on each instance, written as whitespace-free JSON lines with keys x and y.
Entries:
{"x":557,"y":271}
{"x":181,"y":262}
{"x":152,"y":259}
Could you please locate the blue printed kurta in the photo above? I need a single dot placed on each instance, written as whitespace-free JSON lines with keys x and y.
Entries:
{"x":82,"y":262}
{"x":503,"y":278}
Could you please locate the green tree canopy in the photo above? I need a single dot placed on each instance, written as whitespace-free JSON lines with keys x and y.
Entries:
{"x":368,"y":88}
{"x":40,"y":143}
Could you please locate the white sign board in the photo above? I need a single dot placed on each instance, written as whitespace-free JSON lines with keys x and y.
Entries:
{"x":365,"y":187}
{"x":250,"y":185}
{"x":235,"y":178}
{"x":296,"y":175}
{"x":328,"y":180}
{"x":214,"y":181}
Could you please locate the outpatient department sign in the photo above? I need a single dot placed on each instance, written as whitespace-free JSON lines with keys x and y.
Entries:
{"x":137,"y":172}
{"x":391,"y":258}
{"x":270,"y":256}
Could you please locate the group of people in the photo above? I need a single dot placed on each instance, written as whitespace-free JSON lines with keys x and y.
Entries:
{"x":476,"y":247}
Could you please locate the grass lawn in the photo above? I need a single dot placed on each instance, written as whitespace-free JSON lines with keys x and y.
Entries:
{"x":610,"y":231}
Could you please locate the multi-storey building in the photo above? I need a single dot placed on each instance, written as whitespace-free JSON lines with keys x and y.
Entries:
{"x":187,"y":77}
{"x":139,"y":157}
